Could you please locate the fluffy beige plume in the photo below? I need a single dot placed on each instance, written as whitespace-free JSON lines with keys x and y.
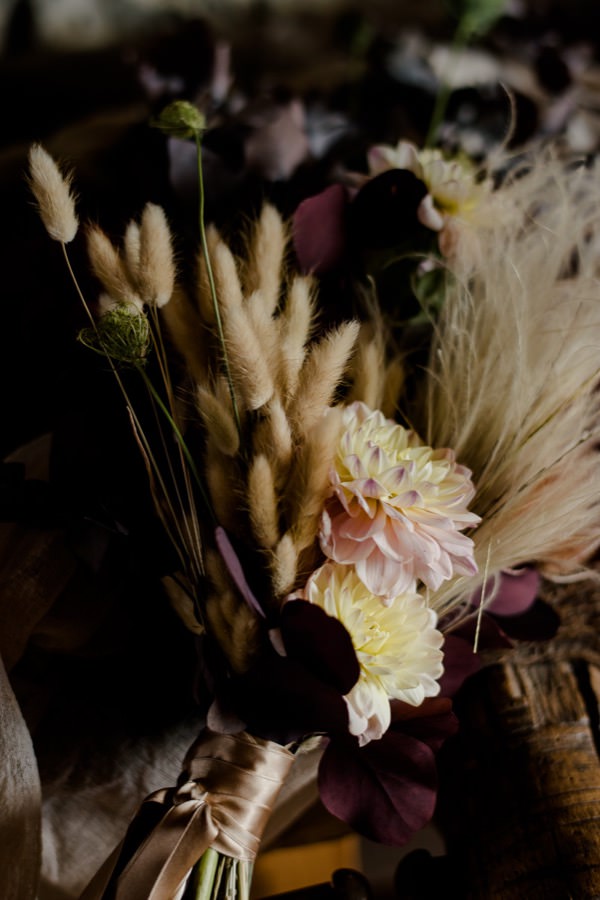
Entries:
{"x":368,"y":368}
{"x":224,"y":488}
{"x":294,"y":332}
{"x":284,"y":566}
{"x":248,"y":364}
{"x":108,"y":267}
{"x":310,"y":479}
{"x":233,"y":623}
{"x":394,"y":380}
{"x":204,"y":296}
{"x":227,"y":282}
{"x":247,"y":360}
{"x":263,"y":270}
{"x":188,"y":334}
{"x":218,"y":421}
{"x":131,"y":249}
{"x":52,"y":191}
{"x":273,"y":437}
{"x":182,"y":603}
{"x":156,"y":270}
{"x":321,"y":374}
{"x":264,"y":327}
{"x":262,"y":503}
{"x":513,"y":384}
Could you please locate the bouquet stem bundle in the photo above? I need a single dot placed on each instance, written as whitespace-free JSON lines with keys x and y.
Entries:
{"x":212,"y":821}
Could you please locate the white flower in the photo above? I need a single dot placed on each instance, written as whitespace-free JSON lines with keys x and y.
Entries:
{"x":398,"y":508}
{"x":398,"y":647}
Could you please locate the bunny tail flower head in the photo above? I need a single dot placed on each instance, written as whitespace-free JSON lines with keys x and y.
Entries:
{"x":52,"y":191}
{"x":398,"y":507}
{"x":398,"y":647}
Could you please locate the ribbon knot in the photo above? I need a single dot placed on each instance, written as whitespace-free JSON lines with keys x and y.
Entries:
{"x":229,"y":786}
{"x":191,"y":790}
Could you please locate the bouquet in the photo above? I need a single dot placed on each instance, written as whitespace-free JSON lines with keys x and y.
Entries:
{"x":359,"y":496}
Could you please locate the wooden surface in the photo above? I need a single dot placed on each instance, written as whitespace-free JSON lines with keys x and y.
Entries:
{"x":520,"y":799}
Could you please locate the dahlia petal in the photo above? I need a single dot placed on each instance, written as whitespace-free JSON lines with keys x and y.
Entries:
{"x":384,"y":577}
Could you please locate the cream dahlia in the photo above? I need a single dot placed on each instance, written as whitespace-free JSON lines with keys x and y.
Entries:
{"x":398,"y":647}
{"x":397,"y":507}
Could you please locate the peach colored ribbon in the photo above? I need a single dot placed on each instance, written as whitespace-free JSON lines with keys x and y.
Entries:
{"x":232,"y":783}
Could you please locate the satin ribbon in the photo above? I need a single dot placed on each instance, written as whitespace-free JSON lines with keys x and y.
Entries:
{"x":230,"y":785}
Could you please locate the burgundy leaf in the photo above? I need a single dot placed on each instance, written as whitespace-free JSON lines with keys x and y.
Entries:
{"x":319,"y":230}
{"x":539,"y":623}
{"x":459,"y":663}
{"x":385,"y":791}
{"x":320,"y":643}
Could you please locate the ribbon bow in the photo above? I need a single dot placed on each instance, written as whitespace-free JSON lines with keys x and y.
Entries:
{"x":232,"y":781}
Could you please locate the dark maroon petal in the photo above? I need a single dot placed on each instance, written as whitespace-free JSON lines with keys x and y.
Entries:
{"x":539,"y":623}
{"x":318,"y":230}
{"x":385,"y":791}
{"x":320,"y":643}
{"x":459,"y":663}
{"x":515,"y":594}
{"x":384,"y":211}
{"x":281,"y":701}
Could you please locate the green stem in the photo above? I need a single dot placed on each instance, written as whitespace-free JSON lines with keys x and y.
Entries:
{"x":181,"y":441}
{"x":206,"y":870}
{"x":136,"y":424}
{"x":211,"y":282}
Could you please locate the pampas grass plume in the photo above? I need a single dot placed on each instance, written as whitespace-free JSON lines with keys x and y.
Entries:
{"x":514,"y":377}
{"x":52,"y":191}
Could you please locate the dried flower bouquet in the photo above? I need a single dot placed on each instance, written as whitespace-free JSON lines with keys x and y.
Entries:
{"x":341,"y":512}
